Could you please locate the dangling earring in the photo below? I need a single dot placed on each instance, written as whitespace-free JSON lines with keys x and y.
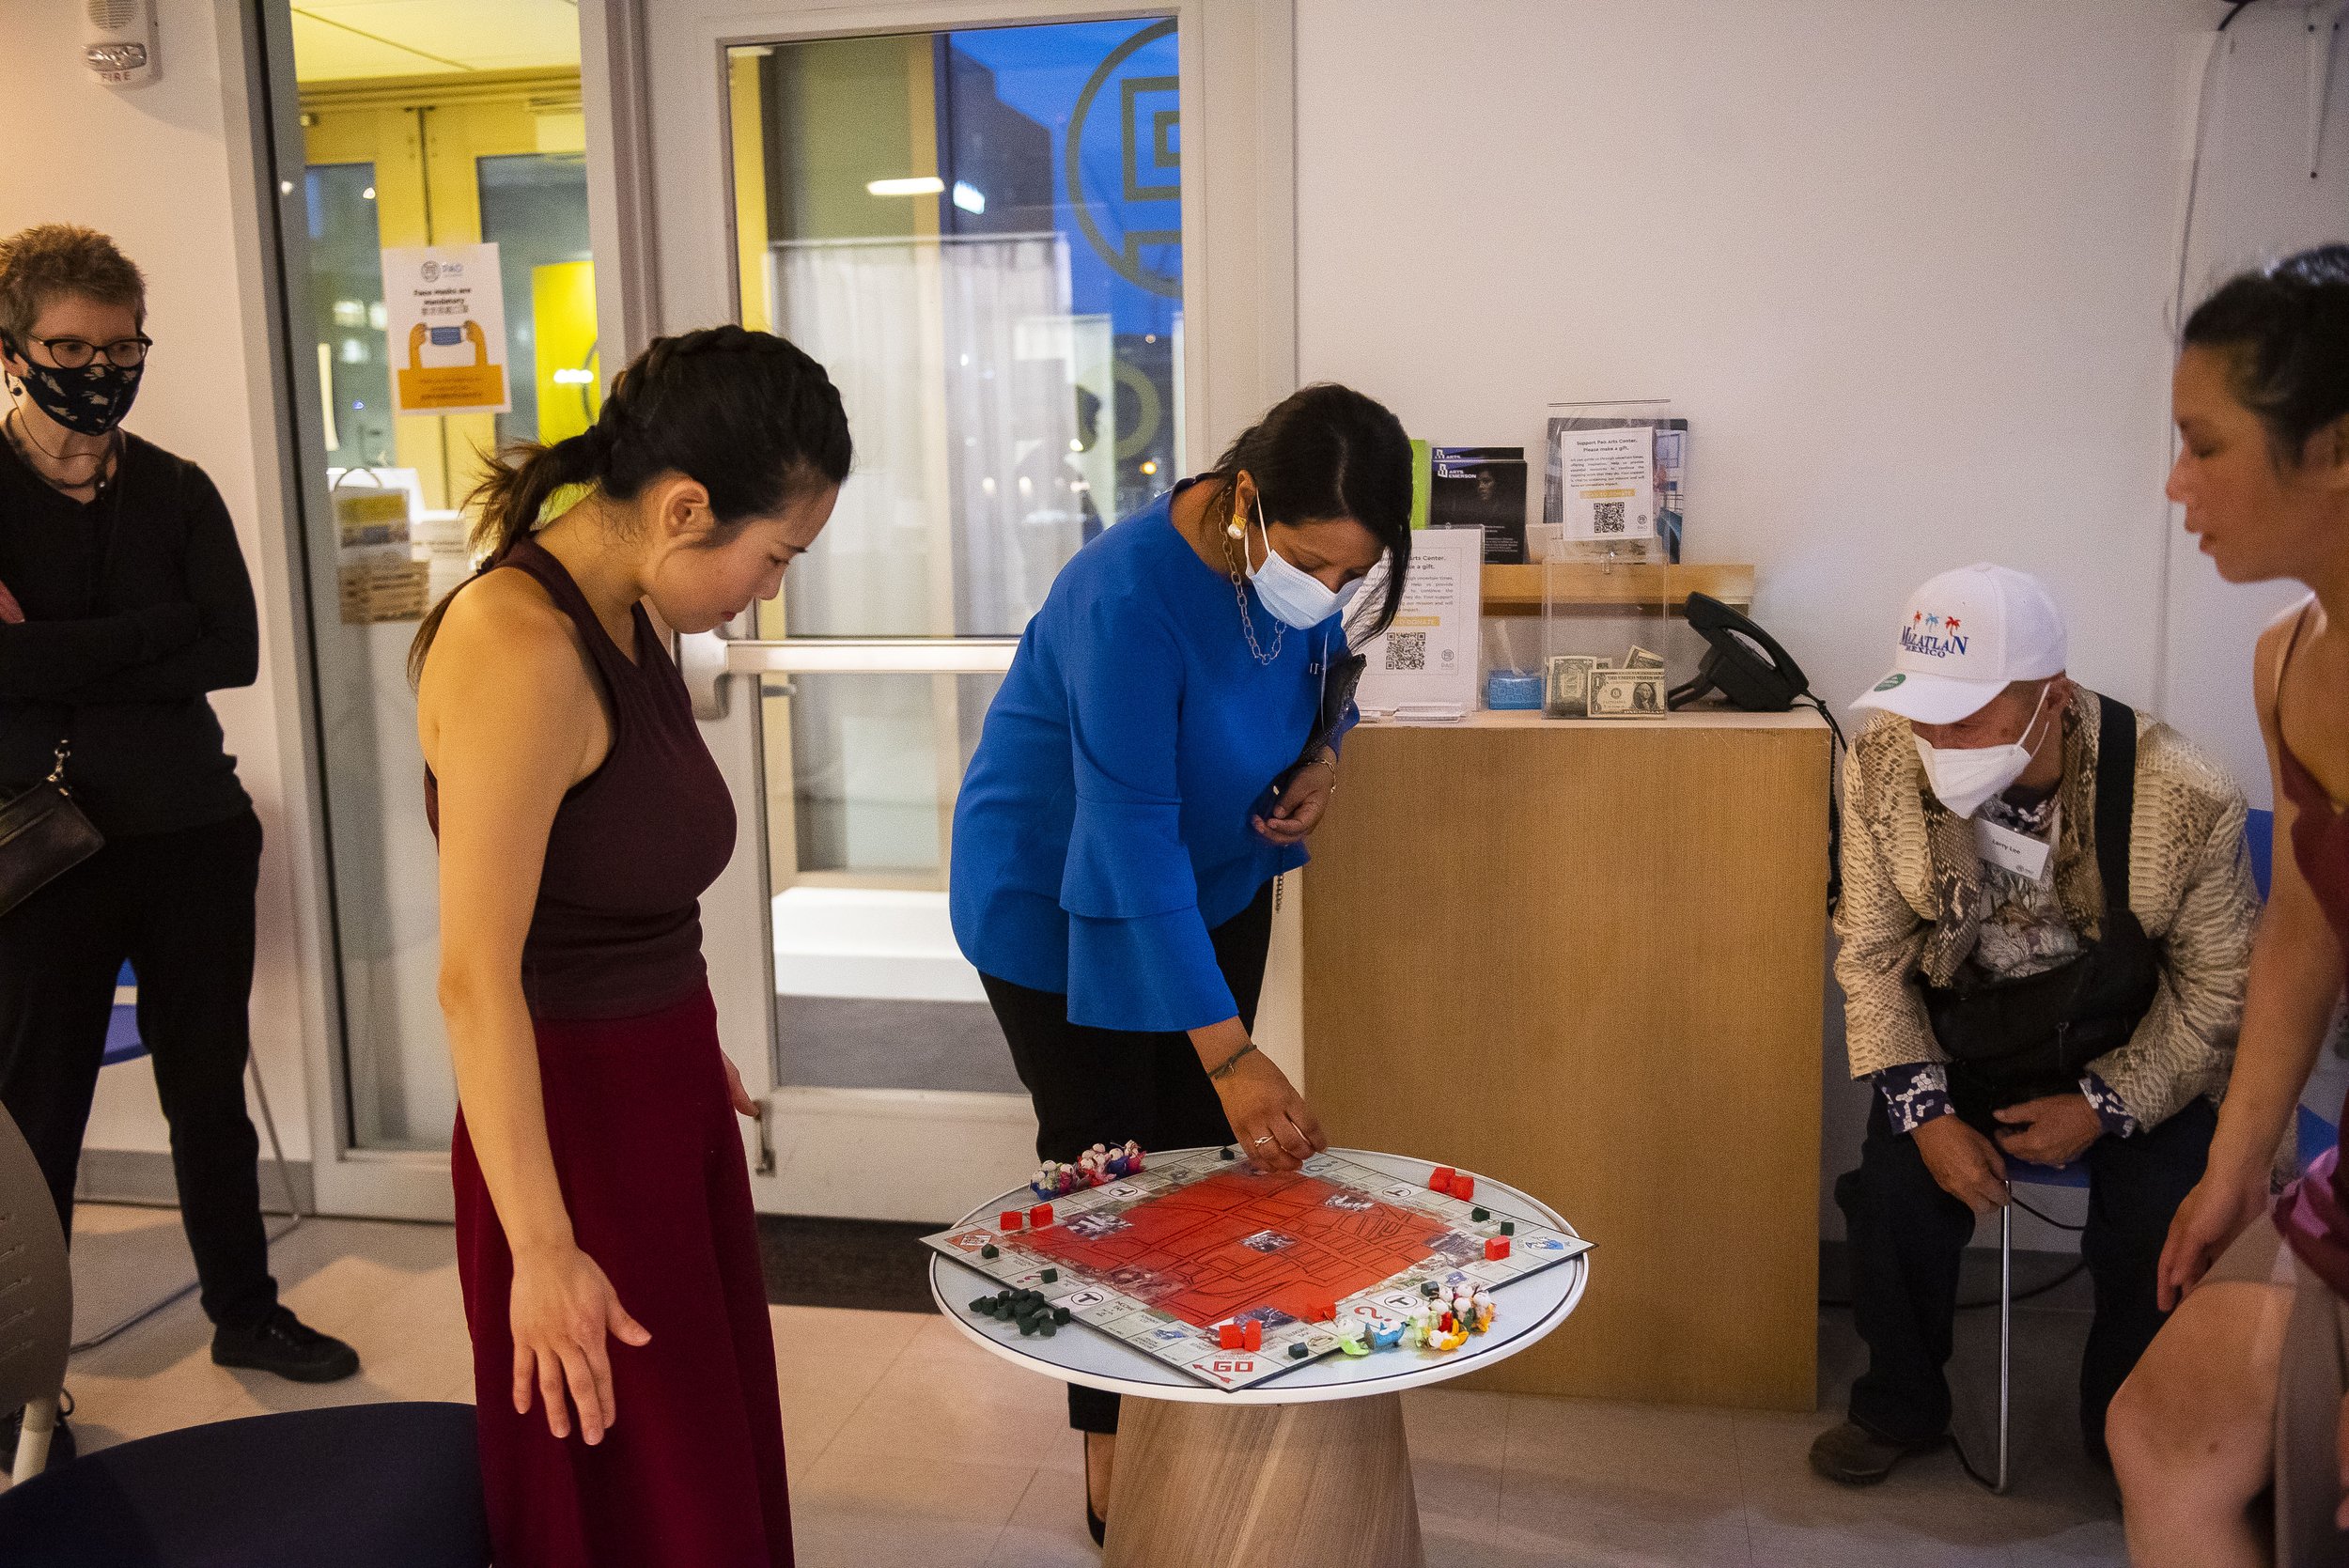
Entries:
{"x":1236,"y":529}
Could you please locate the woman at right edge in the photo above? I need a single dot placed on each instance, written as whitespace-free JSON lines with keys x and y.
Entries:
{"x":1118,"y":837}
{"x":2242,"y":1393}
{"x":605,"y":1240}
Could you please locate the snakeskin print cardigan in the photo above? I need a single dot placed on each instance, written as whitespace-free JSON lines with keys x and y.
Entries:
{"x":1913,"y":904}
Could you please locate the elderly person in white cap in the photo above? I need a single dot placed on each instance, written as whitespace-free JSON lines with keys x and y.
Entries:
{"x":2046,"y":919}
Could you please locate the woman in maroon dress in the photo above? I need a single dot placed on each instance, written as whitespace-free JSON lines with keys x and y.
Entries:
{"x":605,"y":1237}
{"x":2244,"y":1390}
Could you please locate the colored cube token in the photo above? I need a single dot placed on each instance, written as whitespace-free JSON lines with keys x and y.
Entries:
{"x":991,"y":1250}
{"x":1480,"y":1216}
{"x":1496,"y":1247}
{"x":1227,"y":1335}
{"x":1007,"y":1220}
{"x":1252,"y":1337}
{"x":1463,"y":1184}
{"x":1227,"y":1151}
{"x":1430,"y":1289}
{"x":1050,"y":1276}
{"x":1439,"y":1179}
{"x":1508,"y":1227}
{"x":1297,"y":1352}
{"x":1059,"y":1315}
{"x":1040,"y":1216}
{"x":1044,"y":1329}
{"x":1027,"y":1327}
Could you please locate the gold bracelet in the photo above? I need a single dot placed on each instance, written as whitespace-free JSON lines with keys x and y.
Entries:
{"x":1232,"y":1060}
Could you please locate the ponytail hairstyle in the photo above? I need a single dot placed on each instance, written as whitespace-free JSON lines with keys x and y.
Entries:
{"x":2284,"y":328}
{"x":1327,"y":451}
{"x":745,"y":414}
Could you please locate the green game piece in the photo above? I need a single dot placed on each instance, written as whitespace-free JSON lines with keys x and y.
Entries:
{"x":1046,"y":1329}
{"x":1429,"y":1289}
{"x":1226,"y":1153}
{"x":1297,"y":1352}
{"x":1050,"y":1276}
{"x":1480,"y":1216}
{"x":984,"y":1304}
{"x":1059,"y":1315}
{"x":1027,"y":1327}
{"x":1004,"y":1294}
{"x":1508,"y":1227}
{"x":991,"y":1250}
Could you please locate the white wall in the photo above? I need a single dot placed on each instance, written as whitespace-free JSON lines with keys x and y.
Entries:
{"x":152,"y":168}
{"x":1906,"y":267}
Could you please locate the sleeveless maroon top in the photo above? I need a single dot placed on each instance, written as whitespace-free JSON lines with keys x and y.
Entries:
{"x":2313,"y":1212}
{"x":617,"y":930}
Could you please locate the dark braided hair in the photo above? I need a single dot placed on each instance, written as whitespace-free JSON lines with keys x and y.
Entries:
{"x":1327,"y":451}
{"x":2284,"y":328}
{"x":746,"y":415}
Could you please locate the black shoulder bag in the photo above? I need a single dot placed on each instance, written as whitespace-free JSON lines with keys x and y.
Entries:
{"x":2032,"y":1037}
{"x":43,"y":834}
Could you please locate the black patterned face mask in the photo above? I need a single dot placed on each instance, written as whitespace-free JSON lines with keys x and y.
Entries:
{"x":91,"y":400}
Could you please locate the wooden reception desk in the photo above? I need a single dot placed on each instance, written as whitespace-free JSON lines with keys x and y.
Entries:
{"x":1588,"y":956}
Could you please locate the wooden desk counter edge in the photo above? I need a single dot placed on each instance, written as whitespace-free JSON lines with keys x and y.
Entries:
{"x":1588,"y":956}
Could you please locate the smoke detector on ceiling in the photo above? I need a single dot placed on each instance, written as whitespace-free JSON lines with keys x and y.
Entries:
{"x":118,"y":42}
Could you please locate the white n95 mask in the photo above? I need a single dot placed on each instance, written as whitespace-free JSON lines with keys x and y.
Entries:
{"x":1964,"y":777}
{"x":1295,"y":597}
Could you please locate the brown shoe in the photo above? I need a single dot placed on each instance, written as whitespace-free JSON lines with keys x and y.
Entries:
{"x":1852,"y":1455}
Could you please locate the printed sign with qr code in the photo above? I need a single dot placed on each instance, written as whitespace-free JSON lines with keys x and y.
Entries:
{"x":1606,"y":517}
{"x":1407,"y":650}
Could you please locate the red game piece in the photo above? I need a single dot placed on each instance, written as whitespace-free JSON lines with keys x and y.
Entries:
{"x":1496,"y":1247}
{"x":1227,"y":1335}
{"x":1439,"y":1179}
{"x":1040,"y":1216}
{"x":1008,"y":1219}
{"x":1463,"y":1184}
{"x":1252,"y":1336}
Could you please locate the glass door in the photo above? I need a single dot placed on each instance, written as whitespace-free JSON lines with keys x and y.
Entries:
{"x":981,"y":233}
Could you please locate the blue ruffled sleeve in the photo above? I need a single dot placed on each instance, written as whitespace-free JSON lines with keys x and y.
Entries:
{"x":1139,"y":956}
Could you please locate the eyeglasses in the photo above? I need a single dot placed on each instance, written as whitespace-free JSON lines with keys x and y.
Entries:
{"x":74,"y":353}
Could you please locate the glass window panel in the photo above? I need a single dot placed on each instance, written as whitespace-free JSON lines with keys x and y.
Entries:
{"x":979,"y":234}
{"x":346,"y":297}
{"x":534,"y":208}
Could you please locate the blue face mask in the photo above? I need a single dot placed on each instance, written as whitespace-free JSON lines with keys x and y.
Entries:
{"x":1295,"y":597}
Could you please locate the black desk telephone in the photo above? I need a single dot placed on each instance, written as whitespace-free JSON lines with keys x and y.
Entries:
{"x":1744,"y":664}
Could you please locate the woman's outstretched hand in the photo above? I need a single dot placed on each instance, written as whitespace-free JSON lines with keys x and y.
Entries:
{"x":561,"y":1309}
{"x":1274,"y":1126}
{"x":736,"y":1092}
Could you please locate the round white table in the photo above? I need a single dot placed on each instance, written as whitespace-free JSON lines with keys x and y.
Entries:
{"x":1309,"y":1470}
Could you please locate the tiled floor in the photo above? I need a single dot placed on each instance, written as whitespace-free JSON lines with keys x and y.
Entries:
{"x":910,"y":1445}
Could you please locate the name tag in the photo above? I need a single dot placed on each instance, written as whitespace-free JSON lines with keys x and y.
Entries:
{"x":2025,"y":856}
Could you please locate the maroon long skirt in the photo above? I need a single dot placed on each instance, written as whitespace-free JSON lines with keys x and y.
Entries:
{"x":691,"y":1473}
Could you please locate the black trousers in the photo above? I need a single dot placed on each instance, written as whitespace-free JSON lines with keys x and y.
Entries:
{"x":1105,"y":1085}
{"x":1908,"y":1237}
{"x":177,"y":907}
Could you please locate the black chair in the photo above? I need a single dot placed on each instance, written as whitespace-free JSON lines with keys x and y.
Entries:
{"x":351,"y":1486}
{"x":348,"y":1486}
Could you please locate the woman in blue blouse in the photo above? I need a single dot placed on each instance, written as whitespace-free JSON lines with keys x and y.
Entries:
{"x":1114,"y":845}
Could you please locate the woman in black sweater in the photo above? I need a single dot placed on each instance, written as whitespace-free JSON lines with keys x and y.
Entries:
{"x":123,"y":602}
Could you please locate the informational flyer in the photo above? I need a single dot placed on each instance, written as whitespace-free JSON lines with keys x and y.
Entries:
{"x":1609,"y":483}
{"x":444,"y":315}
{"x":1427,"y":658}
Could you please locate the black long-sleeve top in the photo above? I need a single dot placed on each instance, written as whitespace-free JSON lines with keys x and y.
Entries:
{"x":136,"y":605}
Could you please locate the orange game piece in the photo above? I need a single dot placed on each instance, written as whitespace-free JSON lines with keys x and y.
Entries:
{"x":1252,"y":1336}
{"x":1008,"y":1219}
{"x":1463,"y":1184}
{"x":1439,"y":1179}
{"x":1496,"y":1247}
{"x":1227,"y":1335}
{"x":1040,"y":1216}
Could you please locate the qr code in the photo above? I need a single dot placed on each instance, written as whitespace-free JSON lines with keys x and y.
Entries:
{"x":1407,"y":650}
{"x":1606,"y":517}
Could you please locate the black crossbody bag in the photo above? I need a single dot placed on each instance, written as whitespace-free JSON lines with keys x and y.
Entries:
{"x":43,"y":834}
{"x":2032,"y":1037}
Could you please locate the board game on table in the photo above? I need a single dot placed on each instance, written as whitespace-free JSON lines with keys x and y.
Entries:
{"x":1162,"y":1260}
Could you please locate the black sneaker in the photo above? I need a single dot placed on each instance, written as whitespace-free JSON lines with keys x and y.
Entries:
{"x":283,"y":1343}
{"x":61,"y":1444}
{"x":1855,"y":1456}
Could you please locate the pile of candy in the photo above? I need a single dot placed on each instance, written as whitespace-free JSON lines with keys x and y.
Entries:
{"x":1026,"y":1307}
{"x":1097,"y":1167}
{"x":1444,"y":1321}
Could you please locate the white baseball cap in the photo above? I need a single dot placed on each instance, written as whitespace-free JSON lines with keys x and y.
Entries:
{"x":1964,"y":636}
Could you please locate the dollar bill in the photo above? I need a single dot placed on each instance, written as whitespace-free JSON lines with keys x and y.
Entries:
{"x":1627,"y":694}
{"x":1566,"y":694}
{"x":1640,"y":659}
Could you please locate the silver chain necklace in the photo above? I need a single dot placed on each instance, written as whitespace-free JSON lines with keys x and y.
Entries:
{"x":1247,"y":622}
